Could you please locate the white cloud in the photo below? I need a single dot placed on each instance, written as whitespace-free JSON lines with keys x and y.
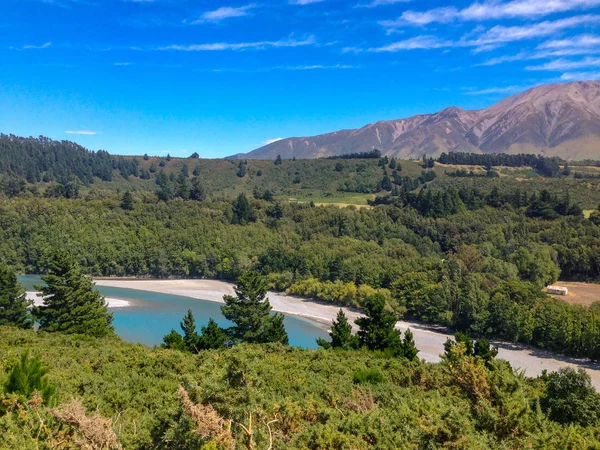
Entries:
{"x":32,"y":47}
{"x":317,"y":67}
{"x":82,"y":132}
{"x":223,"y":13}
{"x":583,"y":40}
{"x":220,"y":46}
{"x":498,"y":90}
{"x":493,"y":37}
{"x":565,"y":64}
{"x":501,"y":34}
{"x":488,"y":10}
{"x":416,"y":43}
{"x":271,"y":141}
{"x":121,"y":64}
{"x":376,"y":3}
{"x":585,"y":44}
{"x":580,"y":76}
{"x":304,"y":2}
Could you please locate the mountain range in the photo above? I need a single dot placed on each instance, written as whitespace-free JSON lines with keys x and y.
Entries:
{"x":551,"y":120}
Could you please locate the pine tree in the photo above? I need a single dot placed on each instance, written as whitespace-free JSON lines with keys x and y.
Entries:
{"x":197,"y":192}
{"x":29,"y":376}
{"x":409,"y":349}
{"x":377,"y":330}
{"x":190,"y":336}
{"x":278,"y":160}
{"x":250,"y":312}
{"x":173,"y":341}
{"x":127,"y":201}
{"x":241,"y":210}
{"x":14,"y":306}
{"x":341,"y":334}
{"x":212,"y":336}
{"x":71,"y":303}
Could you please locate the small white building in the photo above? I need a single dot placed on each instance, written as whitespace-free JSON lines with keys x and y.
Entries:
{"x":557,"y":290}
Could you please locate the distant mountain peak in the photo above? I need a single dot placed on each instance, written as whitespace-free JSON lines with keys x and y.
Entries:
{"x":554,"y":119}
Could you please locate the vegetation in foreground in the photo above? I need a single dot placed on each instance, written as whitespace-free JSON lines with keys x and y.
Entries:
{"x":133,"y":397}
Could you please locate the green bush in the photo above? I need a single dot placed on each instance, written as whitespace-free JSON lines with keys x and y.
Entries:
{"x":367,"y":376}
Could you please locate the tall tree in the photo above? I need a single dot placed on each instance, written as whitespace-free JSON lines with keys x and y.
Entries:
{"x":241,"y":210}
{"x":14,"y":306}
{"x":212,"y":336}
{"x":190,"y":336}
{"x":197,"y":192}
{"x":127,"y":201}
{"x":341,"y":334}
{"x":250,"y":311}
{"x":71,"y":303}
{"x":377,"y":330}
{"x":409,"y":349}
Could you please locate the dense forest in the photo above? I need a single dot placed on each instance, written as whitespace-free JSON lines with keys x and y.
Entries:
{"x":471,"y":257}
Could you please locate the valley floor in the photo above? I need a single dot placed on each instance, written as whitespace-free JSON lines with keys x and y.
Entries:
{"x":429,"y":340}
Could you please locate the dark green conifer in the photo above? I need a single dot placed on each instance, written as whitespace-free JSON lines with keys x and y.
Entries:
{"x":377,"y":330}
{"x":71,"y":303}
{"x":29,"y":376}
{"x":212,"y":336}
{"x":409,"y":349}
{"x":250,"y":311}
{"x":127,"y":201}
{"x":14,"y":306}
{"x":190,"y":336}
{"x":341,"y":334}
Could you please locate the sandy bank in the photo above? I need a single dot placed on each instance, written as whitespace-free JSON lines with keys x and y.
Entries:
{"x":430,"y":341}
{"x":112,"y":302}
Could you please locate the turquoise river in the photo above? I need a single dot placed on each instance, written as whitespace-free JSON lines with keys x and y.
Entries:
{"x":152,"y":315}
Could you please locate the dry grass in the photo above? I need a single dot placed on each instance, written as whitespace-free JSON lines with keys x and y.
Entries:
{"x":93,"y":432}
{"x":209,"y":425}
{"x":579,"y":293}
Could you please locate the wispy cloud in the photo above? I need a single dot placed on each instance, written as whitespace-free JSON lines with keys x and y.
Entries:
{"x":225,"y":12}
{"x":490,"y":10}
{"x":565,"y":64}
{"x":82,"y":132}
{"x":376,"y":3}
{"x":317,"y":67}
{"x":583,"y":40}
{"x":220,"y":46}
{"x":497,"y":90}
{"x":304,"y":2}
{"x":271,"y":141}
{"x":579,"y":76}
{"x":121,"y":64}
{"x":494,"y":37}
{"x":32,"y":47}
{"x":416,"y":43}
{"x":586,"y":44}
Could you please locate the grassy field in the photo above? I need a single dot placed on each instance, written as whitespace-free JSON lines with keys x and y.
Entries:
{"x":579,"y":293}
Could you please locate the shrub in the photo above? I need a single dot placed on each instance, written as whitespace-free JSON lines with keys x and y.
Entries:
{"x":367,"y":376}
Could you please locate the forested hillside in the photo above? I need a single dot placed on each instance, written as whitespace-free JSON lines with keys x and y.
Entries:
{"x":43,"y":159}
{"x":468,"y":247}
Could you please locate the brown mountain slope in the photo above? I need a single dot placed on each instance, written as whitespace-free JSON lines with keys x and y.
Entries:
{"x":555,"y":119}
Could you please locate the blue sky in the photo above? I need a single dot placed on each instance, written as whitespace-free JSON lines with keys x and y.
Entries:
{"x":179,"y":76}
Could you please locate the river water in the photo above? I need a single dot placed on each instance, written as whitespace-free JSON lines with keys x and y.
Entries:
{"x":151,"y":315}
